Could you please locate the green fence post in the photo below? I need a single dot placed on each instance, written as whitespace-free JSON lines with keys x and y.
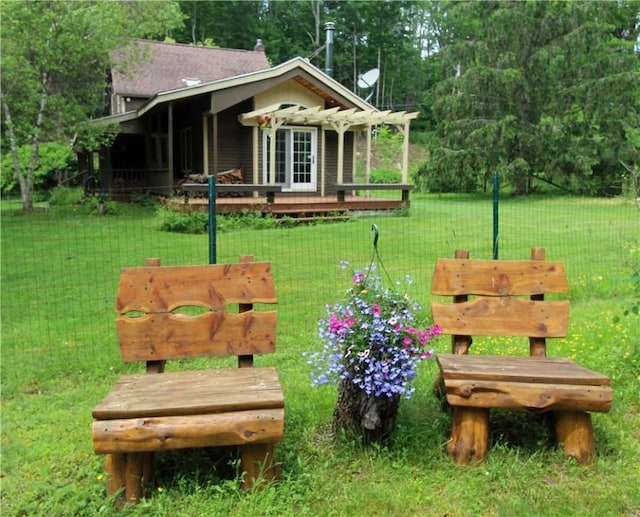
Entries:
{"x":496,"y":191}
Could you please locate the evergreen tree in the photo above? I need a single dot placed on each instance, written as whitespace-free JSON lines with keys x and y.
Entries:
{"x":536,"y":89}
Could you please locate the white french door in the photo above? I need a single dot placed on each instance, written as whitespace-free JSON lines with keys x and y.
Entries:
{"x":295,"y":158}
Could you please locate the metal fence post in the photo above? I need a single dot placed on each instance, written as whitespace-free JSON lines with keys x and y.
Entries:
{"x":496,"y":191}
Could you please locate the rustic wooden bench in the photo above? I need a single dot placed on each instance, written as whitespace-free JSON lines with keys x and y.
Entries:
{"x":183,"y":313}
{"x":244,"y":188}
{"x":474,"y":384}
{"x":343,"y":188}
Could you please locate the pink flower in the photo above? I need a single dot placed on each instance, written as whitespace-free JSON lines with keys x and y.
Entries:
{"x":426,"y":355}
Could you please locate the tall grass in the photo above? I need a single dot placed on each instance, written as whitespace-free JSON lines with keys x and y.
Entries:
{"x":59,"y":357}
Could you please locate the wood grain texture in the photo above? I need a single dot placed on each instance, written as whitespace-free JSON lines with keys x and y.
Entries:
{"x":498,"y":277}
{"x":469,"y":435}
{"x":546,"y":370}
{"x":180,"y":432}
{"x":503,"y":317}
{"x":187,"y":409}
{"x":574,"y":433}
{"x":523,"y":383}
{"x":163,"y":289}
{"x":178,"y":336}
{"x":192,"y":392}
{"x":485,"y":303}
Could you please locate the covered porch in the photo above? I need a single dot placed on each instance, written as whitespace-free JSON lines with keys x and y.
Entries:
{"x":268,"y":200}
{"x":271,"y":118}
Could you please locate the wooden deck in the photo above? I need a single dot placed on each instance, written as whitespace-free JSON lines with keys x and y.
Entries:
{"x":296,"y":207}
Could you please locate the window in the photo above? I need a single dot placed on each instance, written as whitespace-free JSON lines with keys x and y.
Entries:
{"x":295,"y":158}
{"x":186,"y":151}
{"x":158,"y":144}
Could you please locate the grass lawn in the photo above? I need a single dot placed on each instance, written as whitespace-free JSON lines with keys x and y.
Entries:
{"x":59,"y":357}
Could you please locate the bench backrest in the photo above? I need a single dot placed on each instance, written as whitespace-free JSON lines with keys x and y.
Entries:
{"x":154,"y":323}
{"x":488,"y":299}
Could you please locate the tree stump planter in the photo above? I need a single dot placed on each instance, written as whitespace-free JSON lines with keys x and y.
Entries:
{"x":371,"y":418}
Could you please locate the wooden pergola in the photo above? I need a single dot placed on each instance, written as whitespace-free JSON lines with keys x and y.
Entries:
{"x":332,"y":119}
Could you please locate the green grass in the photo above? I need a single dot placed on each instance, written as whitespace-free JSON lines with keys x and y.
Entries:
{"x":60,"y":356}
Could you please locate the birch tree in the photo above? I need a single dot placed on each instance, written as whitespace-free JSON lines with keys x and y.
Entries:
{"x":55,"y":58}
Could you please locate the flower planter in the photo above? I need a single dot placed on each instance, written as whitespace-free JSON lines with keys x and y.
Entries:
{"x":371,"y":418}
{"x":371,"y":349}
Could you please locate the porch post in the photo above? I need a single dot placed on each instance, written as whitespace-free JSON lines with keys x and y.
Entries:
{"x":205,"y":143}
{"x":323,"y":147}
{"x":255,"y":153}
{"x":405,"y":154}
{"x":169,"y":184}
{"x":367,"y":172}
{"x":354,"y":156}
{"x":272,"y":155}
{"x":273,"y":130}
{"x":340,"y":127}
{"x":215,"y":145}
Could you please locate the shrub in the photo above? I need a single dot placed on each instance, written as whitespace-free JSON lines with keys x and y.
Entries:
{"x":184,"y":222}
{"x":92,"y":205}
{"x":386,"y":176}
{"x":144,"y":199}
{"x":429,"y":179}
{"x":255,"y":220}
{"x":64,"y":196}
{"x":56,"y":161}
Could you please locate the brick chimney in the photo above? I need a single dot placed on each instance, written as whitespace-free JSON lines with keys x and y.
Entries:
{"x":259,"y":46}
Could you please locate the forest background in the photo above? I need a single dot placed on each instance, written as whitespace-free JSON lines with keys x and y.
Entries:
{"x":545,"y":91}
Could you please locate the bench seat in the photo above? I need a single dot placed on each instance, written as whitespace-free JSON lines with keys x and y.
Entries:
{"x":507,"y":298}
{"x":184,"y":312}
{"x":523,"y":383}
{"x":190,"y":409}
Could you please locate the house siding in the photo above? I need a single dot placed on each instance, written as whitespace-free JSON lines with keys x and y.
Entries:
{"x":331,"y":157}
{"x":234,"y":143}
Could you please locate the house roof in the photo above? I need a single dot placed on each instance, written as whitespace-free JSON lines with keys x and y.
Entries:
{"x":169,"y":66}
{"x":357,"y":111}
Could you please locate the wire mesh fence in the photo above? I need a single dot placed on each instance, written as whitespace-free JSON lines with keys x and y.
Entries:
{"x":60,"y":268}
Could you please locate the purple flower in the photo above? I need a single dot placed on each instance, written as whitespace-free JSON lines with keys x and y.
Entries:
{"x":371,"y":338}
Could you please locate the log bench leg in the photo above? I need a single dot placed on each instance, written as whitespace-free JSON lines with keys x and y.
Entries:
{"x":469,"y":435}
{"x":130,"y":473}
{"x":574,"y":433}
{"x":258,"y":461}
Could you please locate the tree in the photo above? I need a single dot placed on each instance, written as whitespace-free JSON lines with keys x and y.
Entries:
{"x":380,"y":34}
{"x":55,"y":57}
{"x":369,"y":34}
{"x":536,"y":89}
{"x":229,"y":24}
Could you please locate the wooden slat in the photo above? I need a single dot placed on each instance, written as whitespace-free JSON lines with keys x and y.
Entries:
{"x":503,"y":317}
{"x":541,"y":370}
{"x":175,"y":336}
{"x":498,"y":277}
{"x":373,"y":186}
{"x":179,"y":432}
{"x":161,"y":289}
{"x":231,"y":187}
{"x":192,"y":392}
{"x":478,"y":393}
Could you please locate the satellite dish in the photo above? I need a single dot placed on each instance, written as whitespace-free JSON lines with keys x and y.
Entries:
{"x":368,"y":79}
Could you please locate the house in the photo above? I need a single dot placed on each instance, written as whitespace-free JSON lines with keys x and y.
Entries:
{"x":186,"y":112}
